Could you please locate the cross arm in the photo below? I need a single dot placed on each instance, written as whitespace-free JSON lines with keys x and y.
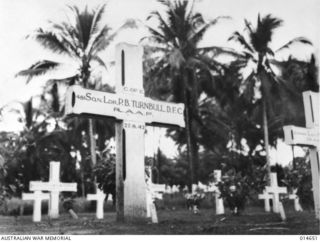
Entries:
{"x":47,"y":186}
{"x":123,"y":107}
{"x":301,"y":136}
{"x":276,"y":189}
{"x":35,"y":195}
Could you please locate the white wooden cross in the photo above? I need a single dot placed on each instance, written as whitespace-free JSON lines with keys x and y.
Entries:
{"x":293,"y":196}
{"x":309,"y":136}
{"x":54,"y":186}
{"x":37,"y":197}
{"x":266,"y":197}
{"x":154,"y":191}
{"x":218,"y":199}
{"x":275,"y":190}
{"x":99,"y":197}
{"x":132,"y":111}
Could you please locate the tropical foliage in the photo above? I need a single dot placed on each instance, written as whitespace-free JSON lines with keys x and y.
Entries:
{"x":263,"y":81}
{"x":181,"y":70}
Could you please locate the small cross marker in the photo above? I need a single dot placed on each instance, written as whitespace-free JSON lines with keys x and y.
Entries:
{"x":54,"y":186}
{"x":37,"y":197}
{"x":293,"y":196}
{"x":266,"y":197}
{"x":275,"y":190}
{"x":99,"y":197}
{"x":218,"y":199}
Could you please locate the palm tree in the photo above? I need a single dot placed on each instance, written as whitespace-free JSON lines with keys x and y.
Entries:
{"x":80,"y":39}
{"x":178,"y":63}
{"x":258,"y":54}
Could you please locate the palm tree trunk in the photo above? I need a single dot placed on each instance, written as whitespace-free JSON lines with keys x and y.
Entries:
{"x":192,"y":146}
{"x":83,"y":188}
{"x":187,"y":118}
{"x":266,"y":137}
{"x":92,"y":147}
{"x":85,"y":77}
{"x":293,"y":161}
{"x":189,"y":146}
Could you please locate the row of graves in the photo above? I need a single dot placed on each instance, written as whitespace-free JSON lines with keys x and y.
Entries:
{"x":132,"y":111}
{"x":153,"y":192}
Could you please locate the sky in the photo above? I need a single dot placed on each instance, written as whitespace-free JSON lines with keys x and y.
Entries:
{"x":19,"y":18}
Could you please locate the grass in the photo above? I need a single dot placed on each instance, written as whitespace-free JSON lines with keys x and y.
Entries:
{"x":173,"y":217}
{"x":177,"y":221}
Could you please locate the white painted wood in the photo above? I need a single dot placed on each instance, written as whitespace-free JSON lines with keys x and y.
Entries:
{"x":309,"y":136}
{"x":218,"y":199}
{"x":194,"y":188}
{"x":154,"y":215}
{"x":293,"y":196}
{"x":315,"y":172}
{"x":99,"y":197}
{"x":120,"y":156}
{"x":282,"y":212}
{"x":54,"y":186}
{"x":37,"y":198}
{"x":133,"y":70}
{"x":151,"y":208}
{"x":133,"y":111}
{"x":122,"y":106}
{"x":266,"y":197}
{"x":202,"y":187}
{"x":168,"y":190}
{"x":158,"y":188}
{"x":175,"y":189}
{"x":149,"y":201}
{"x":134,"y":182}
{"x":275,"y":190}
{"x":301,"y":136}
{"x":154,"y":191}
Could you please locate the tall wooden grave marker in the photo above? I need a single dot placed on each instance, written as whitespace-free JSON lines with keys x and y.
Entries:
{"x":133,"y":111}
{"x":309,"y":136}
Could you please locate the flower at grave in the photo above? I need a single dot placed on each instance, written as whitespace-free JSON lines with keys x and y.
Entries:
{"x":193,"y":200}
{"x":234,"y":189}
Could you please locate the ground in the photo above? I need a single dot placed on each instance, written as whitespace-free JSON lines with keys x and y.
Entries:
{"x":182,"y":221}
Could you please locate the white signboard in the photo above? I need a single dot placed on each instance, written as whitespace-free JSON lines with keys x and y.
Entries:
{"x":301,"y":136}
{"x":123,"y":106}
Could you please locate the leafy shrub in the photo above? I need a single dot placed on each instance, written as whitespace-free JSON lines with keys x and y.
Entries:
{"x":299,"y":177}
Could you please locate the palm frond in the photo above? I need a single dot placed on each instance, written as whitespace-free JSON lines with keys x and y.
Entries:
{"x":196,"y":36}
{"x":100,"y":61}
{"x":37,"y":69}
{"x":161,"y":38}
{"x":167,"y":30}
{"x":69,"y":36}
{"x":100,"y":41}
{"x":216,"y":51}
{"x":241,"y":39}
{"x":248,"y":85}
{"x":97,"y":18}
{"x":51,"y":41}
{"x":269,"y":51}
{"x":248,"y":26}
{"x":295,"y":40}
{"x":262,"y":35}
